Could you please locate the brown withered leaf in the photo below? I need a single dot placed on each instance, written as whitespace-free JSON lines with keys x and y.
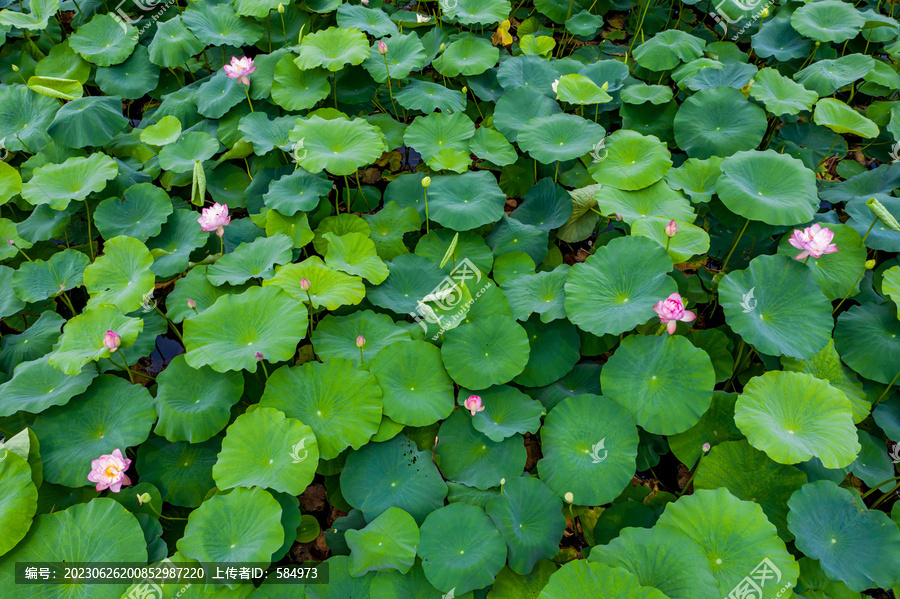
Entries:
{"x":313,"y":498}
{"x":502,"y":37}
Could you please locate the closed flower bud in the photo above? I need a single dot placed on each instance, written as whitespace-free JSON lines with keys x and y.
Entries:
{"x":382,"y":48}
{"x":15,"y":69}
{"x":112,"y":341}
{"x":191,"y":304}
{"x":360,"y":341}
{"x":671,"y":228}
{"x":870,"y":264}
{"x":259,"y":356}
{"x":426,"y":182}
{"x":280,"y":8}
{"x":883,"y":215}
{"x":304,"y":284}
{"x":569,"y":497}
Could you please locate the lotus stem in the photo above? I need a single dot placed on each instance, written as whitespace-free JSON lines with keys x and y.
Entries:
{"x":68,"y":302}
{"x":265,"y":370}
{"x":87,"y":209}
{"x":390,"y":87}
{"x":222,"y":245}
{"x":872,"y":226}
{"x":269,"y":28}
{"x":852,"y":287}
{"x":127,"y":368}
{"x":891,"y":384}
{"x":734,"y":245}
{"x":21,"y":251}
{"x":426,"y":210}
{"x":878,"y":486}
{"x":23,"y":143}
{"x":640,"y":27}
{"x":556,"y":174}
{"x":283,"y":28}
{"x":885,"y":496}
{"x":361,"y":356}
{"x":171,"y":324}
{"x":75,"y":2}
{"x":247,"y":91}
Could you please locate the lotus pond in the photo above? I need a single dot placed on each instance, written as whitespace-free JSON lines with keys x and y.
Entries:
{"x":450,"y":299}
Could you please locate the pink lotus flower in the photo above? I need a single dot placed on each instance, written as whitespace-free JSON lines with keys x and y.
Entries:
{"x":109,"y":471}
{"x":191,"y":304}
{"x":239,"y":69}
{"x":671,"y":310}
{"x":473,"y":404}
{"x":215,"y":218}
{"x":814,"y":241}
{"x":304,"y":284}
{"x":360,"y":342}
{"x":671,"y":228}
{"x":112,"y":341}
{"x":706,"y":447}
{"x":382,"y":48}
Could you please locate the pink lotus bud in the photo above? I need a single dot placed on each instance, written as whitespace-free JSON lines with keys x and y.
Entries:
{"x":618,"y":217}
{"x":382,"y":48}
{"x":259,"y":356}
{"x":108,"y":471}
{"x":304,"y":284}
{"x":671,"y":228}
{"x":10,"y":241}
{"x":112,"y":341}
{"x":192,"y":304}
{"x":706,"y":447}
{"x":473,"y":404}
{"x":360,"y":341}
{"x":814,"y":241}
{"x":671,"y":310}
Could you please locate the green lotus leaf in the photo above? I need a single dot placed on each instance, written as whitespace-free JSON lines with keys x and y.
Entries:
{"x":36,"y":386}
{"x":813,"y":582}
{"x":417,"y":389}
{"x":9,"y":231}
{"x":179,"y":157}
{"x":173,"y":44}
{"x":665,"y":382}
{"x":181,"y":471}
{"x":777,"y":38}
{"x":781,"y":95}
{"x":507,"y":412}
{"x":464,"y":202}
{"x":197,"y":287}
{"x":179,"y":237}
{"x":335,"y":337}
{"x":490,"y":145}
{"x":219,"y":25}
{"x":342,"y":224}
{"x":580,"y":578}
{"x":55,"y":87}
{"x":615,"y":289}
{"x":853,"y":544}
{"x":164,"y":132}
{"x":388,"y":226}
{"x":388,"y":542}
{"x":131,"y":79}
{"x":104,"y":41}
{"x":578,"y":89}
{"x":41,"y":11}
{"x":405,"y":54}
{"x":518,"y":106}
{"x":298,"y":191}
{"x":827,"y":21}
{"x":540,"y":293}
{"x":73,"y":180}
{"x":243,"y":525}
{"x":867,"y":337}
{"x":266,"y":134}
{"x":121,"y":276}
{"x":840,"y":118}
{"x":194,"y":404}
{"x":265,"y":449}
{"x":873,"y":465}
{"x":342,"y":405}
{"x":228,"y":335}
{"x":82,"y":339}
{"x":778,"y":307}
{"x":296,"y":227}
{"x":294,"y":88}
{"x":589,"y":448}
{"x":890,"y":284}
{"x":427,"y":97}
{"x":11,"y":183}
{"x":254,"y":8}
{"x":328,"y":287}
{"x":217,"y":95}
{"x":663,"y":557}
{"x":467,"y":352}
{"x":827,"y":76}
{"x":482,"y":12}
{"x":438,"y":131}
{"x":554,"y":348}
{"x":719,"y":122}
{"x":667,"y":49}
{"x":18,"y":498}
{"x":469,"y":55}
{"x":39,"y":280}
{"x":881,"y":237}
{"x":715,"y":426}
{"x":373,"y":22}
{"x":71,"y":536}
{"x":340,"y":582}
{"x":690,"y":240}
{"x":338,"y":146}
{"x":33,"y":343}
{"x":333,"y":48}
{"x":634,"y":161}
{"x":140,"y":214}
{"x":24,"y":117}
{"x":354,"y":253}
{"x":450,"y":249}
{"x":412,"y":585}
{"x":836,"y":273}
{"x":793,"y":417}
{"x":559,"y":137}
{"x":643,"y":93}
{"x":461,"y":549}
{"x":110,"y":414}
{"x":256,"y":259}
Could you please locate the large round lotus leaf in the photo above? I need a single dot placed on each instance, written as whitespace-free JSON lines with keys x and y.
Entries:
{"x":546,"y":206}
{"x":33,"y":343}
{"x":39,"y":280}
{"x":219,"y":25}
{"x":615,"y":289}
{"x":578,"y":89}
{"x":328,"y":287}
{"x":827,"y":76}
{"x":228,"y":335}
{"x":853,"y":544}
{"x":24,"y":118}
{"x":489,"y":351}
{"x":461,"y":549}
{"x":483,"y":12}
{"x":581,"y":578}
{"x":73,"y":180}
{"x":690,"y":240}
{"x":111,"y":414}
{"x":769,"y":187}
{"x":559,"y":137}
{"x":131,"y":79}
{"x":179,"y":237}
{"x":140,"y":214}
{"x":427,"y":97}
{"x":339,"y":146}
{"x":18,"y":498}
{"x":217,"y":95}
{"x":507,"y":411}
{"x":82,"y":339}
{"x":121,"y":276}
{"x":333,"y":48}
{"x":394,"y":473}
{"x":518,"y":106}
{"x":243,"y":525}
{"x":11,"y":182}
{"x":656,"y":200}
{"x":296,"y":89}
{"x":194,"y":404}
{"x":104,"y":40}
{"x":881,"y":237}
{"x":405,"y":54}
{"x":697,"y":178}
{"x":530,"y":520}
{"x":542,"y":293}
{"x":554,"y":349}
{"x":180,"y":157}
{"x":181,"y":471}
{"x":91,"y":121}
{"x":665,"y":382}
{"x":342,"y":405}
{"x":589,"y":445}
{"x":471,"y":458}
{"x":837,"y":273}
{"x":736,"y":538}
{"x":663,"y":557}
{"x":388,"y":542}
{"x":256,"y":259}
{"x":266,"y":134}
{"x":173,"y":43}
{"x":341,"y":584}
{"x":412,"y":585}
{"x":36,"y":386}
{"x":354,"y":253}
{"x":718,"y":121}
{"x":374,"y":22}
{"x":56,"y":87}
{"x":430,"y":134}
{"x":72,"y":536}
{"x":455,"y":247}
{"x":417,"y":389}
{"x":265,"y":449}
{"x":335,"y":336}
{"x":464,"y":202}
{"x":469,"y":55}
{"x":634,"y":161}
{"x":777,"y":38}
{"x":814,"y":583}
{"x":793,"y":417}
{"x":780,"y":94}
{"x":165,"y":131}
{"x":777,"y":306}
{"x":868,"y":338}
{"x":667,"y":49}
{"x":828,"y":21}
{"x":298,"y":191}
{"x":841,"y":118}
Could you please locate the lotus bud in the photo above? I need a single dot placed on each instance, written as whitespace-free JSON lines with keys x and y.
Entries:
{"x":280,"y":8}
{"x":360,"y":341}
{"x":112,"y":341}
{"x":569,"y":497}
{"x":671,"y":228}
{"x":465,"y":90}
{"x":706,"y":447}
{"x":144,"y":498}
{"x":426,"y":182}
{"x":883,"y":215}
{"x":618,"y":217}
{"x":443,"y":47}
{"x":502,"y":481}
{"x":870,"y":264}
{"x":605,"y":86}
{"x":10,"y":241}
{"x":473,"y":404}
{"x":304,"y":284}
{"x":382,"y":48}
{"x":191,"y":304}
{"x":15,"y":69}
{"x":764,"y":13}
{"x":259,"y":356}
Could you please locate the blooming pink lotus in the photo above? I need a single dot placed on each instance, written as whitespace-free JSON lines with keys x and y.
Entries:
{"x":108,"y":471}
{"x":814,"y":241}
{"x":112,"y":340}
{"x":239,"y":69}
{"x":473,"y":404}
{"x":671,"y":310}
{"x":215,"y":218}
